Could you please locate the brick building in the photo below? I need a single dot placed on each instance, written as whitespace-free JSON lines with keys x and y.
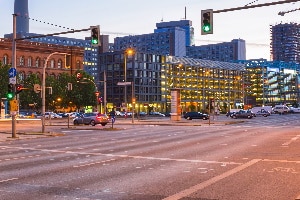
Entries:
{"x":31,"y":57}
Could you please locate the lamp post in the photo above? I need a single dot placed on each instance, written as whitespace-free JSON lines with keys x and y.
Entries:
{"x":127,"y":52}
{"x":44,"y":89}
{"x":105,"y":98}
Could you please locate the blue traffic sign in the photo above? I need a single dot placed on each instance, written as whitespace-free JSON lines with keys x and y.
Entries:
{"x":12,"y":72}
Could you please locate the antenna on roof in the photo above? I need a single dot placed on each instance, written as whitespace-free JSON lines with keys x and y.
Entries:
{"x":184,"y":12}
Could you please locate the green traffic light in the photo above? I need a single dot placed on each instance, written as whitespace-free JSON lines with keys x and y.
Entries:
{"x":94,"y":41}
{"x":9,"y":96}
{"x":206,"y":28}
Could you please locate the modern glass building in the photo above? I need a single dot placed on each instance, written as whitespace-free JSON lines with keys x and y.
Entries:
{"x":153,"y":76}
{"x":271,"y":82}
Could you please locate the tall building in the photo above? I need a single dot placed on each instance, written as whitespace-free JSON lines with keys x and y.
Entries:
{"x":186,"y":25}
{"x":168,"y":42}
{"x":226,"y":51}
{"x":285,"y":42}
{"x":21,"y":10}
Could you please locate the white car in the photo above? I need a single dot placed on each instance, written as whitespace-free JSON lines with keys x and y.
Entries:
{"x":294,"y":110}
{"x":52,"y":114}
{"x":281,"y":109}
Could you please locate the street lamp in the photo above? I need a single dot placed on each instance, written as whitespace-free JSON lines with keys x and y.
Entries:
{"x":44,"y":89}
{"x":127,"y":52}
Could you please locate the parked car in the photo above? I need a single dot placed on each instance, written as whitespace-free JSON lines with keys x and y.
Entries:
{"x":229,"y":114}
{"x":52,"y":114}
{"x":281,"y":109}
{"x":92,"y":119}
{"x":196,"y":115}
{"x":294,"y":110}
{"x":243,"y":114}
{"x":263,"y":113}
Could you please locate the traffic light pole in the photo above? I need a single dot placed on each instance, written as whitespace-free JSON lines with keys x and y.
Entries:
{"x":255,"y":6}
{"x":13,"y":114}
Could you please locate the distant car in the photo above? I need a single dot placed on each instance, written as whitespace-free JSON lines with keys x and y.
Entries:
{"x":229,"y":114}
{"x":63,"y":115}
{"x":52,"y":114}
{"x":243,"y":114}
{"x":281,"y":109}
{"x":263,"y":113}
{"x":92,"y":119}
{"x":196,"y":115}
{"x":294,"y":110}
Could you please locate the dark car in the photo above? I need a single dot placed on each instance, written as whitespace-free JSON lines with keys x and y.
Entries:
{"x":243,"y":114}
{"x":92,"y":119}
{"x":229,"y":114}
{"x":196,"y":115}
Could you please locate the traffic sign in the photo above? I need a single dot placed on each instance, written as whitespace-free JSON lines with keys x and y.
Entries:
{"x":12,"y":72}
{"x":12,"y":80}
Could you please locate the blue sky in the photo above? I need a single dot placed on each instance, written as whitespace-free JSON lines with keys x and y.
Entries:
{"x":120,"y":17}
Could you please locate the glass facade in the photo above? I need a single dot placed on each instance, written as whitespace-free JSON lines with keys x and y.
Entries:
{"x":153,"y":76}
{"x":271,"y":83}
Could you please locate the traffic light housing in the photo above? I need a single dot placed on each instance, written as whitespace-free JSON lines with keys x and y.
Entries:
{"x":95,"y":36}
{"x":206,"y":22}
{"x":19,"y":88}
{"x":10,"y":92}
{"x":78,"y":76}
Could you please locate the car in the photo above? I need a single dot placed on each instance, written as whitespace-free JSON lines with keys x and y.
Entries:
{"x":243,"y":114}
{"x":195,"y":115}
{"x":63,"y":115}
{"x":263,"y":113}
{"x":294,"y":110}
{"x":52,"y":114}
{"x":281,"y":109}
{"x":92,"y":119}
{"x":229,"y":114}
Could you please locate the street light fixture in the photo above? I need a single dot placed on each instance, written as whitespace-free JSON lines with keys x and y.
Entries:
{"x":126,"y":53}
{"x":44,"y":89}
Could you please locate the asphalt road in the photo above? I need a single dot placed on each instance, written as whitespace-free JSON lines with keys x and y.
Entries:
{"x":256,"y":159}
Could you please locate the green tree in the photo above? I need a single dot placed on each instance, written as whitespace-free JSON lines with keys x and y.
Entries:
{"x":4,"y":79}
{"x":28,"y":97}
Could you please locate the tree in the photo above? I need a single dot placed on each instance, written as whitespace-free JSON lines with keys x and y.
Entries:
{"x":28,"y":97}
{"x":3,"y":79}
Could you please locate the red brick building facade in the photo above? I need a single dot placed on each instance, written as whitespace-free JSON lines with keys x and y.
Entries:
{"x":31,"y":57}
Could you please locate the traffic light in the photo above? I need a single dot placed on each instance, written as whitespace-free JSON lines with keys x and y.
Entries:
{"x":95,"y":36}
{"x":19,"y":88}
{"x":206,"y":22}
{"x":78,"y":76}
{"x":10,"y":92}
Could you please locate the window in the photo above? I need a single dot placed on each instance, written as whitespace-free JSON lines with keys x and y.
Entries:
{"x":29,"y":62}
{"x":59,"y":63}
{"x":5,"y":60}
{"x":21,"y":61}
{"x":52,"y":63}
{"x":37,"y":62}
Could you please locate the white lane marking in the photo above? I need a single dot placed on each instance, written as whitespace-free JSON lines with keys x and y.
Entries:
{"x":291,"y":140}
{"x":11,"y":179}
{"x":128,"y":156}
{"x":211,"y":181}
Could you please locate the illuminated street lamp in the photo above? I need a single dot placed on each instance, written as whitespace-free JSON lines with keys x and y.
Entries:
{"x":126,"y":53}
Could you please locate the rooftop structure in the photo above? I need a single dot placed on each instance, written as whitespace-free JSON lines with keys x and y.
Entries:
{"x":225,"y":51}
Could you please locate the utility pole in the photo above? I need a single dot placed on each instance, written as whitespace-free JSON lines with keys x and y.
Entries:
{"x":14,"y":65}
